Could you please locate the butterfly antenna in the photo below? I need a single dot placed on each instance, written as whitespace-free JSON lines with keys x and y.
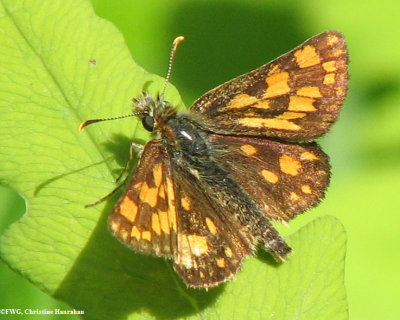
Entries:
{"x":87,"y":122}
{"x":177,"y":41}
{"x":171,"y":59}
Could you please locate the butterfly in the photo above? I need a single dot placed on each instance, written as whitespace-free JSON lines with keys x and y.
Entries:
{"x":212,"y":178}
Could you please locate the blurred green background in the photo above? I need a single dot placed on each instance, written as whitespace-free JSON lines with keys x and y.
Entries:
{"x":228,"y":38}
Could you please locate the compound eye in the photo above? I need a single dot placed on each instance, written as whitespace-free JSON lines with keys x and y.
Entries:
{"x":148,"y":123}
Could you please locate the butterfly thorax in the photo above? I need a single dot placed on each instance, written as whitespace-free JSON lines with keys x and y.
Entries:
{"x":181,"y":135}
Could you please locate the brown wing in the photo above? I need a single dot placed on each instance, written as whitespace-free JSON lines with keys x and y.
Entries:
{"x":145,"y":217}
{"x":283,"y":178}
{"x":211,"y":243}
{"x":296,"y":97}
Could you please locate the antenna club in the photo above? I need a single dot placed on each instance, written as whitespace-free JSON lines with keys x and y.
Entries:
{"x":82,"y":125}
{"x":87,"y":122}
{"x":171,"y":59}
{"x":178,"y":40}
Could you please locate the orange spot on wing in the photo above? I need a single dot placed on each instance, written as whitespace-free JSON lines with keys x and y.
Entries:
{"x":297,"y":103}
{"x":221,"y":263}
{"x":211,"y":226}
{"x":148,"y":195}
{"x":307,"y":57}
{"x":137,"y":186}
{"x":269,"y":176}
{"x":198,"y":244}
{"x":146,"y":235}
{"x":189,"y":245}
{"x":291,"y":115}
{"x":329,"y":66}
{"x":277,"y":84}
{"x":161,"y":192}
{"x":306,"y":188}
{"x":135,"y":233}
{"x":164,"y":223}
{"x":171,"y":204}
{"x":307,"y":155}
{"x":228,"y":252}
{"x":115,"y":226}
{"x":262,"y":104}
{"x":155,"y":223}
{"x":289,"y":165}
{"x":157,"y":174}
{"x":312,"y":92}
{"x":294,"y":196}
{"x":248,"y":149}
{"x":275,"y":69}
{"x":270,"y":123}
{"x":143,"y":191}
{"x":128,"y":208}
{"x":241,"y":100}
{"x":329,"y":78}
{"x":332,"y":39}
{"x":186,"y":203}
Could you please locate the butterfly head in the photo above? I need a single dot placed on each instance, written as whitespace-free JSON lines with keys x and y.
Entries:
{"x":152,"y":111}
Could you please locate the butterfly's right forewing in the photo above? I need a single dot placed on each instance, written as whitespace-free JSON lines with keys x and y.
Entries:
{"x":295,"y":97}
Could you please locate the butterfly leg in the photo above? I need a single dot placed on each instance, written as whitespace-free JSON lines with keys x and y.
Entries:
{"x":133,"y":147}
{"x":105,"y":197}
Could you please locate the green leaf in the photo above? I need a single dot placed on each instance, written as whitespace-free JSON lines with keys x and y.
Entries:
{"x":310,"y":285}
{"x":59,"y":65}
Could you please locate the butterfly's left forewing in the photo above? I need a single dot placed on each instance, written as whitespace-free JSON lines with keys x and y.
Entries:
{"x":165,"y":213}
{"x":145,"y":217}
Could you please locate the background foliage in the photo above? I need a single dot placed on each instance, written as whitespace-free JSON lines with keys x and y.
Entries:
{"x":227,"y":38}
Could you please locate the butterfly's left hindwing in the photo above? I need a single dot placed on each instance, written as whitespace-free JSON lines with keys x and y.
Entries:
{"x":211,"y":242}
